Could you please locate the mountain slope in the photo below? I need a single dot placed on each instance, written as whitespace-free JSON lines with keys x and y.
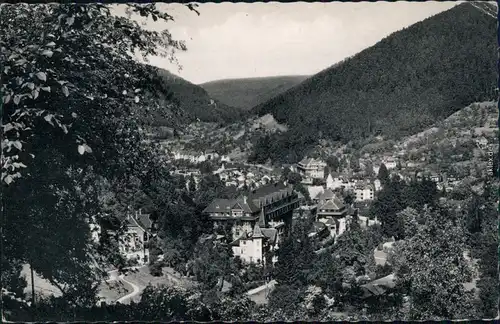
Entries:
{"x":194,"y":102}
{"x":249,"y":92}
{"x":463,"y":143}
{"x":397,"y":87}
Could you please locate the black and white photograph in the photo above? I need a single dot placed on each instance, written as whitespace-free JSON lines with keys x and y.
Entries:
{"x":249,"y":162}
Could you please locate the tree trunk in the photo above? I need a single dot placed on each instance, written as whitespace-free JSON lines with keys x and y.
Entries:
{"x":33,"y":300}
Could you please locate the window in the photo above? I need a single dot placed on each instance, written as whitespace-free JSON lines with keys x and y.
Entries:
{"x":244,"y":242}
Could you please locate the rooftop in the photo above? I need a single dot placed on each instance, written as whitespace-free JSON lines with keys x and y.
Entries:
{"x":334,"y":204}
{"x":226,"y":205}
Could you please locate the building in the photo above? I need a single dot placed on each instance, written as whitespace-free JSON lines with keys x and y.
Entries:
{"x":377,"y":185}
{"x":270,"y":206}
{"x":315,"y":192}
{"x":390,"y":163}
{"x":332,"y":212}
{"x":139,"y":230}
{"x":364,"y":192}
{"x":331,"y":208}
{"x":311,"y":168}
{"x":330,"y":182}
{"x":482,"y":142}
{"x":252,"y":246}
{"x":319,"y":230}
{"x":190,"y":156}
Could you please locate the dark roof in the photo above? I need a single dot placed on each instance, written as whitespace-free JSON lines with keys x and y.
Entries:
{"x":270,"y":233}
{"x":141,"y":220}
{"x":145,"y":221}
{"x":219,"y":205}
{"x":268,"y":192}
{"x":225,"y":205}
{"x":268,"y":189}
{"x":318,"y":227}
{"x":379,"y":286}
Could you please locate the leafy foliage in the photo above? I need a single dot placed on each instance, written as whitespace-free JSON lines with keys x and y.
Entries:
{"x":397,"y":195}
{"x":73,"y":105}
{"x":432,"y":269}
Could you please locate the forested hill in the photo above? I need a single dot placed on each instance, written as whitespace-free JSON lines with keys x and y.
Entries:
{"x":194,"y":102}
{"x":397,"y":87}
{"x":249,"y":92}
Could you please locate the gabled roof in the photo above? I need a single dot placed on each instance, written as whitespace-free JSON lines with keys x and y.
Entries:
{"x":142,"y":221}
{"x":328,"y":194}
{"x":306,"y":161}
{"x":334,"y":204}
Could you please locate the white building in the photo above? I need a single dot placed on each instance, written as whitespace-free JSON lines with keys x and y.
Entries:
{"x":191,"y":157}
{"x":390,"y":163}
{"x":252,"y":246}
{"x":311,"y":168}
{"x":364,"y":193}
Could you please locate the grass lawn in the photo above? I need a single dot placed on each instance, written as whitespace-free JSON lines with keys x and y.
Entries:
{"x":111,"y":291}
{"x":142,"y":278}
{"x":42,"y":286}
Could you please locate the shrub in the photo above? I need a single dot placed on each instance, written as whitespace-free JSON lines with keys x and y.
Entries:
{"x":156,"y":269}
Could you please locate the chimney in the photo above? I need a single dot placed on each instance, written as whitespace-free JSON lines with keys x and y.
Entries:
{"x":244,"y":199}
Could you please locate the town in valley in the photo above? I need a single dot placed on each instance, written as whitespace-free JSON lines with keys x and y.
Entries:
{"x":367,"y":190}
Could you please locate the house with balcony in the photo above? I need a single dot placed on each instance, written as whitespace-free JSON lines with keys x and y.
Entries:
{"x":311,"y":168}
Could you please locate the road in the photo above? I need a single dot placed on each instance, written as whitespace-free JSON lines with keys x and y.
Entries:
{"x":259,"y":166}
{"x":135,"y":292}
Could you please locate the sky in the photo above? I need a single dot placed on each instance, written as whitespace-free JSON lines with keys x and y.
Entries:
{"x":244,"y":40}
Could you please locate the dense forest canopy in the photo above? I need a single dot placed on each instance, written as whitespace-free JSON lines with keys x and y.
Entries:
{"x":195,"y":102}
{"x":249,"y":92}
{"x":401,"y":85}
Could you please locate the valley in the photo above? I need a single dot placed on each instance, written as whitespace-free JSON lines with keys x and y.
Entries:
{"x":367,"y":191}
